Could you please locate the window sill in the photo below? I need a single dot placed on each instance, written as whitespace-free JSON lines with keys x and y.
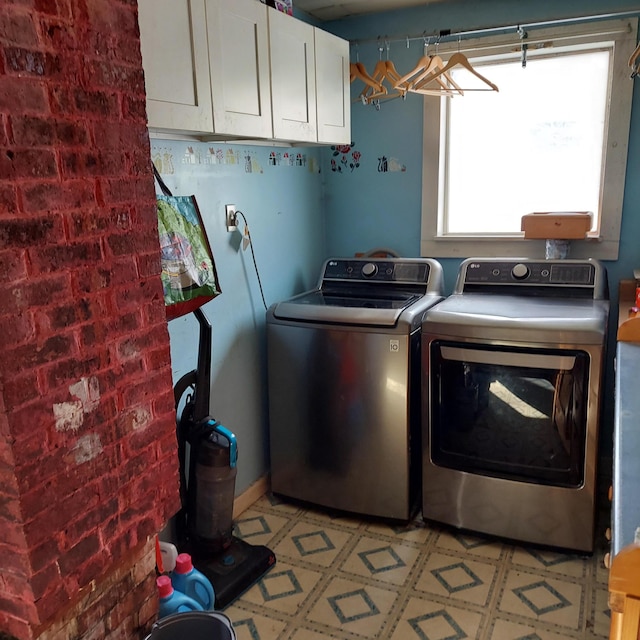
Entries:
{"x":512,"y":246}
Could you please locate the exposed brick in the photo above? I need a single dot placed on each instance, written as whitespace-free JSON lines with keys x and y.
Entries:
{"x":54,"y":601}
{"x":8,"y":199}
{"x":134,"y":108}
{"x":133,"y":243}
{"x":70,"y":194}
{"x":41,"y":581}
{"x":30,"y":355}
{"x":15,"y":329}
{"x":119,"y":190}
{"x":28,"y":130}
{"x":70,"y":369}
{"x":4,"y":137}
{"x":18,"y":28}
{"x":14,"y":561}
{"x":16,"y":608}
{"x":52,"y":7}
{"x":17,"y":298}
{"x":37,"y":63}
{"x":57,"y":34}
{"x":120,"y":135}
{"x":72,"y":101}
{"x":105,"y":16}
{"x":97,"y":103}
{"x":164,"y":404}
{"x":19,"y":95}
{"x":149,"y":264}
{"x":41,"y":555}
{"x":20,"y":389}
{"x":131,"y":297}
{"x":96,"y":222}
{"x":158,"y":358}
{"x":98,"y":278}
{"x":90,"y":521}
{"x":29,"y":232}
{"x":69,"y":314}
{"x":60,"y":257}
{"x":13,"y":265}
{"x":128,"y":48}
{"x":80,"y":553}
{"x":34,"y":163}
{"x":116,"y":76}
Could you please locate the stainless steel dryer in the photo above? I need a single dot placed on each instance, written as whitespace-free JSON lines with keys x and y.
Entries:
{"x":344,"y":386}
{"x":512,"y":370}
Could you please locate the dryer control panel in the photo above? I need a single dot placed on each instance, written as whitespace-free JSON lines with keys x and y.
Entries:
{"x":586,"y":278}
{"x":511,"y":272}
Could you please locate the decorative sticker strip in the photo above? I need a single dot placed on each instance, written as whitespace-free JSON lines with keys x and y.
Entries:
{"x":349,"y":158}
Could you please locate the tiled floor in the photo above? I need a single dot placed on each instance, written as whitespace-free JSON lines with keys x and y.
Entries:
{"x":349,"y":578}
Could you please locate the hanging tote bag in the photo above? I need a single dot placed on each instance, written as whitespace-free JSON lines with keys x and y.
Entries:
{"x":189,"y":276}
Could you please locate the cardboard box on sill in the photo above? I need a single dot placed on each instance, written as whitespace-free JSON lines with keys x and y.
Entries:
{"x":557,"y":225}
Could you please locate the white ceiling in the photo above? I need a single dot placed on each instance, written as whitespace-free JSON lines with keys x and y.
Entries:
{"x":330,"y":10}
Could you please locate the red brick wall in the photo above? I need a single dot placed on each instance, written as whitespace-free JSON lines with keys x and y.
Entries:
{"x":88,"y":466}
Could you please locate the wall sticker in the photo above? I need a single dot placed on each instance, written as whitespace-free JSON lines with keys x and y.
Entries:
{"x":349,"y":158}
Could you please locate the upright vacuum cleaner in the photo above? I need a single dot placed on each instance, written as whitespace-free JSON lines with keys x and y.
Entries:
{"x":208,"y":454}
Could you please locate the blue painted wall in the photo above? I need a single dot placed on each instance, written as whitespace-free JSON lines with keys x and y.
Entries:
{"x":299,"y":215}
{"x":283,"y":205}
{"x":366,"y":207}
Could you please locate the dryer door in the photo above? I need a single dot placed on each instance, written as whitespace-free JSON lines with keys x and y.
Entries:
{"x":507,"y":412}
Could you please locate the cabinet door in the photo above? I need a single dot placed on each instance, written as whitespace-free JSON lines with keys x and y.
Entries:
{"x":332,"y":88}
{"x":293,"y":78}
{"x":239,"y":64}
{"x":173,"y":41}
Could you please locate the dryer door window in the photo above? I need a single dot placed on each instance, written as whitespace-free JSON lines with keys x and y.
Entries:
{"x":519,"y":414}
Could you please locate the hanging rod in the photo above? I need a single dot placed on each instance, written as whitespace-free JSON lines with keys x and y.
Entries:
{"x":445,"y":35}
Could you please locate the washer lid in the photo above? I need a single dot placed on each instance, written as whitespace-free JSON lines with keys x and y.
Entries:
{"x":341,"y":308}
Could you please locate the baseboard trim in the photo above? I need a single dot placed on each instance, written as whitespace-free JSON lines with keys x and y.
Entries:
{"x":248,"y":497}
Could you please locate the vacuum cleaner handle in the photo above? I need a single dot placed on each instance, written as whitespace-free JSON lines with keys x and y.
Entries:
{"x":233,"y":443}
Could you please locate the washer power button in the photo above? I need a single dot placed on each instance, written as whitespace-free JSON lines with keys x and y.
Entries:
{"x":369,"y":270}
{"x":520,"y":271}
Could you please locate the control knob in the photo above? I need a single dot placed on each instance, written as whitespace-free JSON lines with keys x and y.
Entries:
{"x":369,"y":270}
{"x":520,"y":271}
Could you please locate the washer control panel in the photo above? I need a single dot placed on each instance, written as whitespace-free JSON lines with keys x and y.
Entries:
{"x":397,"y":271}
{"x":513,"y":272}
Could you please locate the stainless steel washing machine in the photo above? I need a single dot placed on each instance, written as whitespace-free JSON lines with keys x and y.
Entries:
{"x":344,"y":386}
{"x":512,"y":369}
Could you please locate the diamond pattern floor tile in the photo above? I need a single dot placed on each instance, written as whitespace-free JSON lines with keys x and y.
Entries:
{"x":341,"y":577}
{"x":457,"y":578}
{"x":428,"y":620}
{"x":313,"y":543}
{"x":354,"y":607}
{"x":382,"y":561}
{"x":541,"y":598}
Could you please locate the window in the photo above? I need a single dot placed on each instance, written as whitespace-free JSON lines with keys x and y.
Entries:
{"x":554,"y":138}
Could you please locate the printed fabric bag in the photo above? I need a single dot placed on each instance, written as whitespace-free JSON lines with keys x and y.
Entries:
{"x":189,"y":276}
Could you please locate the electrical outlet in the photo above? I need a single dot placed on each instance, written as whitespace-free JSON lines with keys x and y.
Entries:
{"x":231,"y":217}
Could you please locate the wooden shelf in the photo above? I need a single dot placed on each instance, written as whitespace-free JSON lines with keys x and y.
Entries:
{"x":628,"y":328}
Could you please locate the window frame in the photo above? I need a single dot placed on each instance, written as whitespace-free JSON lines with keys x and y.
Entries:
{"x":603,"y":245}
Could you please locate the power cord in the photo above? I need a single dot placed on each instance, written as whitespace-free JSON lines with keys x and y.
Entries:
{"x":253,"y":255}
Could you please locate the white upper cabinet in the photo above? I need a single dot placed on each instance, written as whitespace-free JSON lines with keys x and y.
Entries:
{"x":332,"y":88}
{"x":173,"y":41}
{"x":217,"y":69}
{"x":239,"y":66}
{"x":293,"y":78}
